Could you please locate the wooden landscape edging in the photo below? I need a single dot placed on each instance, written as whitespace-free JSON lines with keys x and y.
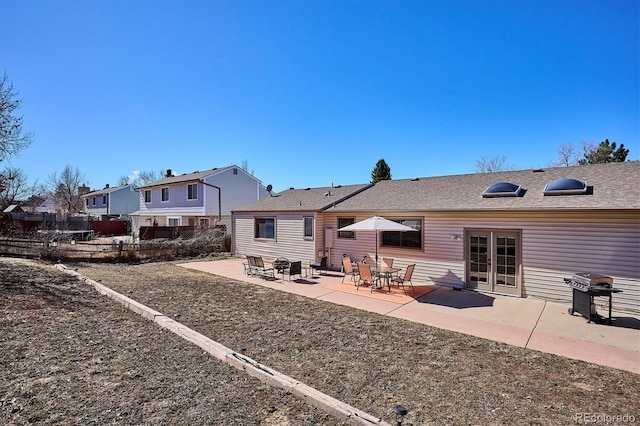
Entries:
{"x":235,"y":359}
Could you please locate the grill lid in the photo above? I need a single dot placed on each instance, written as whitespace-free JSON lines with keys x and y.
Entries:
{"x":591,"y":279}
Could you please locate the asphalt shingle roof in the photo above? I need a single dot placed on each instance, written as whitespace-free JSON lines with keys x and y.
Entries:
{"x":104,"y":191}
{"x":610,"y":186}
{"x":186,"y":177}
{"x":308,"y":199}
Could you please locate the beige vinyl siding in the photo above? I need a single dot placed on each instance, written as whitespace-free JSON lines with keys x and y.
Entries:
{"x":557,"y":244}
{"x":289,"y":241}
{"x":554,"y":245}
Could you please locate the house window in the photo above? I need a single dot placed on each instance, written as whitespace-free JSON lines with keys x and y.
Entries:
{"x":165,"y":194}
{"x":93,"y":201}
{"x":87,"y":202}
{"x":346,"y":221}
{"x":204,"y":223}
{"x":192,"y":191}
{"x":308,"y":227}
{"x":173,"y":221}
{"x":405,"y":239}
{"x":104,"y":200}
{"x":147,"y":195}
{"x":265,"y":228}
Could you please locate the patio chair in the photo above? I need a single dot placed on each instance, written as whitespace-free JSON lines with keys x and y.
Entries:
{"x":365,"y":276}
{"x":250,"y":268}
{"x":348,"y":269}
{"x":295,"y":268}
{"x":319,"y":266}
{"x":400,"y":280}
{"x":261,"y":269}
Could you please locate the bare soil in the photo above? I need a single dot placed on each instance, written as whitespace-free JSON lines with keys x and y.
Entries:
{"x":72,"y":356}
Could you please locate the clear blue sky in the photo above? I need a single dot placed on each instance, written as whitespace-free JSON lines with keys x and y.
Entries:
{"x":311,"y":93}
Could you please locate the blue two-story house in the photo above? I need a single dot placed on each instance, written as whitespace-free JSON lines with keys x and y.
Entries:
{"x":107,"y":203}
{"x":202,"y":198}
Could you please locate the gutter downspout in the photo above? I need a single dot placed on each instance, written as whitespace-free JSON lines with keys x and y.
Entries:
{"x":219,"y":200}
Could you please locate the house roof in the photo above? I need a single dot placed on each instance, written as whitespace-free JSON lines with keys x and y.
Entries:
{"x":187,"y":177}
{"x":13,"y":208}
{"x":104,"y":191}
{"x":308,"y":199}
{"x":609,"y":186}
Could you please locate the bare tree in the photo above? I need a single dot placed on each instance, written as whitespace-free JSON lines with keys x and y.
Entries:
{"x":245,"y":167}
{"x":140,"y":178}
{"x":12,"y":137}
{"x":496,"y":163}
{"x":16,"y":187}
{"x":568,"y":156}
{"x":65,"y":190}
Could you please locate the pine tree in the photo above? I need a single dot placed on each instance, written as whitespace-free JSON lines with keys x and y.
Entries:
{"x":605,"y":153}
{"x":380,"y":172}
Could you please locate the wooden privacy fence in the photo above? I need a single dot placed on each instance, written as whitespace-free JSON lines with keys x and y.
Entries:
{"x":93,"y":250}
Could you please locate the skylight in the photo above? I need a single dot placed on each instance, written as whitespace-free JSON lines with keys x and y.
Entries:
{"x":565,"y":186}
{"x":502,"y":189}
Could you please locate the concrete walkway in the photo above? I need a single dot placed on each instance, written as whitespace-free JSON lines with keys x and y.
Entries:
{"x":529,"y":323}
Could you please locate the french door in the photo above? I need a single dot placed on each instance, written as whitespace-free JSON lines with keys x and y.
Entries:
{"x":493,"y":261}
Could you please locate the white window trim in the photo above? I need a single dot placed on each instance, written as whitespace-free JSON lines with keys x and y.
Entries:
{"x":196,"y":192}
{"x":304,"y":227}
{"x":162,"y":194}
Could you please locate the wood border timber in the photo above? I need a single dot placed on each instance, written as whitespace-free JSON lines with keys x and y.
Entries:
{"x":237,"y":360}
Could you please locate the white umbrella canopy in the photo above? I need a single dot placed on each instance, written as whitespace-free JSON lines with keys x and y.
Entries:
{"x":376,"y":223}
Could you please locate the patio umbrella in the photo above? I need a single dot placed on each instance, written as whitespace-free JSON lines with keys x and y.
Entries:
{"x":376,"y":223}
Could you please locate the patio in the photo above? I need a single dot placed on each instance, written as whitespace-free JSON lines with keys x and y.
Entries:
{"x":530,"y":323}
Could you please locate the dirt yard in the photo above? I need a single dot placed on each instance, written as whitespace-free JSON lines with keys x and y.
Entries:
{"x":72,"y":356}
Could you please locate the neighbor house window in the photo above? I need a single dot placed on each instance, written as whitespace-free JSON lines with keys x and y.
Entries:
{"x":87,"y":202}
{"x":192,"y":191}
{"x":173,"y":221}
{"x":405,"y":239}
{"x":308,"y":227}
{"x":345,"y":221}
{"x":93,"y":201}
{"x":147,"y":195}
{"x":265,"y":228}
{"x":104,"y":200}
{"x":204,"y":223}
{"x":165,"y":194}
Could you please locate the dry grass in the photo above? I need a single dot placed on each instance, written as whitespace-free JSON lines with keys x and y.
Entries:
{"x":77,"y":357}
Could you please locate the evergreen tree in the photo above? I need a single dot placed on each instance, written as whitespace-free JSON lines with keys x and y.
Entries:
{"x":605,"y":153}
{"x":380,"y":172}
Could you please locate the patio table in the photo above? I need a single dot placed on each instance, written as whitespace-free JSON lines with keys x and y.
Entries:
{"x":386,"y":273}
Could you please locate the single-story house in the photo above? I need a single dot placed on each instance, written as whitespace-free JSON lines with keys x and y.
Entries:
{"x":516,"y":232}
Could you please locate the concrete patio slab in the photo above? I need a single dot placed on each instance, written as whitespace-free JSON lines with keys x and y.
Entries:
{"x":529,"y":323}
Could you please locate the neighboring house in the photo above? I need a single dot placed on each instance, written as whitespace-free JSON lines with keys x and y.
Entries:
{"x":116,"y":202}
{"x":288,"y":224}
{"x":517,"y":233}
{"x":48,"y":205}
{"x":200,"y":198}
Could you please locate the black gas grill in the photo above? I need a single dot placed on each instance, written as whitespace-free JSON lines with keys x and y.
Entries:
{"x":585,"y":286}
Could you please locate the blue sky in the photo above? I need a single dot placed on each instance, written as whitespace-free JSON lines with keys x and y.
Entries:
{"x":314,"y":93}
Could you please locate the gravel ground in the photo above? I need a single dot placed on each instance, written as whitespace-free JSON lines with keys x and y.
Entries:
{"x":72,"y":356}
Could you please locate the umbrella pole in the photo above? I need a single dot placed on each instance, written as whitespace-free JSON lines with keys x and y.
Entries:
{"x":376,"y":250}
